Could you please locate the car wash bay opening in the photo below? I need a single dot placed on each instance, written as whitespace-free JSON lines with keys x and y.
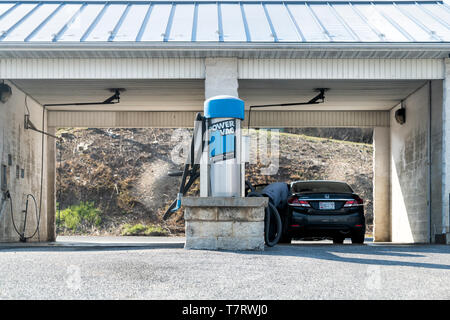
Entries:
{"x":375,"y":58}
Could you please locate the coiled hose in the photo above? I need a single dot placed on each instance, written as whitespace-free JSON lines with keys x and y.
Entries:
{"x":270,"y":211}
{"x":22,"y":236}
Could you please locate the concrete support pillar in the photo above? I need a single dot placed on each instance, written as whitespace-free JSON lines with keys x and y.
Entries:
{"x":221,"y":78}
{"x":51,"y":185}
{"x":381,"y":184}
{"x":446,"y":154}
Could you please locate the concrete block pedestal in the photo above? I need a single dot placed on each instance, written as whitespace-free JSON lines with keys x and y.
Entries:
{"x":218,"y":223}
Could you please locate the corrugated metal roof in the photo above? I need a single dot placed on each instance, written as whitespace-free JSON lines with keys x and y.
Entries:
{"x":64,"y":22}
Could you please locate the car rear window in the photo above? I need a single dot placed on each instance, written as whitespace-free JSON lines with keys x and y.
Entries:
{"x":321,"y":186}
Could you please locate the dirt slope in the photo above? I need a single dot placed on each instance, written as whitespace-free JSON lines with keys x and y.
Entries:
{"x":124,"y":171}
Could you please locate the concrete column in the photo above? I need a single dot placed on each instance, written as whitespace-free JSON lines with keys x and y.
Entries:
{"x":436,"y":137}
{"x":381,"y":184}
{"x":221,"y":78}
{"x":51,"y":185}
{"x":446,"y":154}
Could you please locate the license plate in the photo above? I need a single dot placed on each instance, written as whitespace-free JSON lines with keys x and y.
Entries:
{"x":326,"y":205}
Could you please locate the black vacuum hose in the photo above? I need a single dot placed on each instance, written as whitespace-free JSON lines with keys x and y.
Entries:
{"x":191,"y":169}
{"x":184,"y":190}
{"x":22,"y":236}
{"x":270,"y":211}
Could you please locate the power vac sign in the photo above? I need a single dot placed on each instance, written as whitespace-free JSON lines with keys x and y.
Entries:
{"x":222,"y":140}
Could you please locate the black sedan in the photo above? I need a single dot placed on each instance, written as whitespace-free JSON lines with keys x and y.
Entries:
{"x":323,"y":209}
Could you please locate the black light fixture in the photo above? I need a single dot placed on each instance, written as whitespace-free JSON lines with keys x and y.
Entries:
{"x":5,"y":92}
{"x":400,"y":114}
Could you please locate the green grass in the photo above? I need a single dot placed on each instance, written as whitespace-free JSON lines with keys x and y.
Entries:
{"x":143,"y":230}
{"x":77,"y":216}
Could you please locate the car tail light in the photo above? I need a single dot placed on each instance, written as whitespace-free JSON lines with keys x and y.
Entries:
{"x":298,"y":203}
{"x":354,"y":203}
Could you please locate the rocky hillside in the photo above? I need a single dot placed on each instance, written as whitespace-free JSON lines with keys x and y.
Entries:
{"x":123,"y":172}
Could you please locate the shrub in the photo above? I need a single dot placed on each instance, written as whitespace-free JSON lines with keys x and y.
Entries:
{"x":77,"y":216}
{"x":143,"y":230}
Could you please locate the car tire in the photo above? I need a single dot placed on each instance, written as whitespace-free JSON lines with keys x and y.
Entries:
{"x":338,"y":240}
{"x":285,"y":239}
{"x":358,"y":238}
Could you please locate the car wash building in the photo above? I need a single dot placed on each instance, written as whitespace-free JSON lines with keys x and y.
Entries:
{"x":385,"y":64}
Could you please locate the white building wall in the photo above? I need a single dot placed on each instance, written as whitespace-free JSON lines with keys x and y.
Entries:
{"x":24,"y":146}
{"x":144,"y":68}
{"x":445,"y":215}
{"x":196,"y":68}
{"x":341,"y":69}
{"x":410,"y":171}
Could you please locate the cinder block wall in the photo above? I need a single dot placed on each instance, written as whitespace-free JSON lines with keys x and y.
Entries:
{"x":410,"y":171}
{"x":224,"y":223}
{"x":24,"y":148}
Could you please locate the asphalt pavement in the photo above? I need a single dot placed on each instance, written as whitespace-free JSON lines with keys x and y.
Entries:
{"x":160,"y":268}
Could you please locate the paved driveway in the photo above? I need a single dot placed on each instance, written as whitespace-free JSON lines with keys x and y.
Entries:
{"x":149,"y":268}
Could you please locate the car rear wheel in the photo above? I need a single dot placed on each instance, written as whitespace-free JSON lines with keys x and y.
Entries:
{"x":338,"y":240}
{"x":285,"y":239}
{"x":358,"y":238}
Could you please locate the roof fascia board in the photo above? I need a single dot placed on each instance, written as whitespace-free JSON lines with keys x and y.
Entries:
{"x":32,"y":46}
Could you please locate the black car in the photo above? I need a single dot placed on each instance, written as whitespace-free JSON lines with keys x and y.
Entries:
{"x":323,"y":209}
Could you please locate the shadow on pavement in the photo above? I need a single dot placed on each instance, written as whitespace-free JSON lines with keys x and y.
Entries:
{"x":325,"y":251}
{"x":84,"y":246}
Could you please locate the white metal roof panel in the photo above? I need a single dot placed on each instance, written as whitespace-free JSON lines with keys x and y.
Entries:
{"x":103,"y":26}
{"x":207,"y":27}
{"x":154,"y":27}
{"x":81,"y":23}
{"x":331,"y":22}
{"x":181,"y":23}
{"x":308,"y":23}
{"x":11,"y":21}
{"x":412,"y":30}
{"x":252,"y":21}
{"x":436,"y":25}
{"x":5,"y":7}
{"x":129,"y":29}
{"x":362,"y":30}
{"x":258,"y":27}
{"x":48,"y":29}
{"x":23,"y":29}
{"x":283,"y":23}
{"x":232,"y":22}
{"x":386,"y":30}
